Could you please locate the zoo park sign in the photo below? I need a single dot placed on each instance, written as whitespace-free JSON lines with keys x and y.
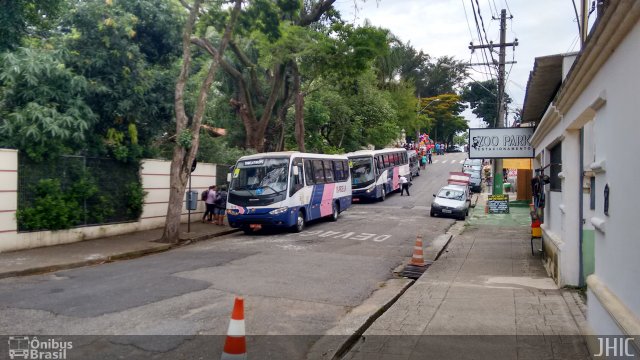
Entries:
{"x":503,"y":143}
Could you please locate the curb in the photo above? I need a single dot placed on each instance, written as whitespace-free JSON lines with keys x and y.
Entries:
{"x":347,"y":344}
{"x":127,"y":255}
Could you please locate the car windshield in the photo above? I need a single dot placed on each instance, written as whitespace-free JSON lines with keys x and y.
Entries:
{"x":451,"y":194}
{"x":361,"y":170}
{"x":260,"y":177}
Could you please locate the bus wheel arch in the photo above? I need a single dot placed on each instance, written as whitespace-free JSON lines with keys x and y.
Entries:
{"x":301,"y":218}
{"x":335,"y":210}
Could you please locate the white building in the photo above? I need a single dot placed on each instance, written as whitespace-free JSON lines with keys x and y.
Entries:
{"x":587,"y":110}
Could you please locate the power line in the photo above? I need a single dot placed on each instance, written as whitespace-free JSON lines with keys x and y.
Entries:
{"x":482,"y":43}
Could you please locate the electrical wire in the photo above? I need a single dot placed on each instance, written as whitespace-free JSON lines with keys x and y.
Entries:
{"x":486,"y":58}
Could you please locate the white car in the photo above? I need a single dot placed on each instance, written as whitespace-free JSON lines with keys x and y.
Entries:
{"x":451,"y":200}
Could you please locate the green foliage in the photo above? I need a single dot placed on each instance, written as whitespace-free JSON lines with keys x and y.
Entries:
{"x":27,"y":18}
{"x":53,"y":208}
{"x":482,"y":98}
{"x":135,"y":195}
{"x":218,"y":151}
{"x":185,"y":139}
{"x":129,"y":51}
{"x":43,"y":110}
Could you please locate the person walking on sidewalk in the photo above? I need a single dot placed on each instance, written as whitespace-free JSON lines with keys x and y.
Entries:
{"x":210,"y":199}
{"x":404,"y":185}
{"x":429,"y":153}
{"x":220,"y":205}
{"x":423,"y":161}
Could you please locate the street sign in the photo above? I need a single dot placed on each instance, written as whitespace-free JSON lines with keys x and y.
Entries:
{"x":498,"y":204}
{"x":502,"y":143}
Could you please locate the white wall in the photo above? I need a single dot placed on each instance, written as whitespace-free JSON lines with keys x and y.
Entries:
{"x":155,"y":181}
{"x":616,"y":131}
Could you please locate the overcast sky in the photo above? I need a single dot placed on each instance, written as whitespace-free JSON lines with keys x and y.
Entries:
{"x":439,"y":27}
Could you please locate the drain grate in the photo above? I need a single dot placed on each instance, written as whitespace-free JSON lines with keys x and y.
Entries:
{"x":414,"y":272}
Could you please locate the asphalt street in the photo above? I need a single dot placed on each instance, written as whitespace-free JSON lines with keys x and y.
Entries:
{"x":293,"y":284}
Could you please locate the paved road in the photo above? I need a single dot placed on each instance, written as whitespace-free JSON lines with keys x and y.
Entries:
{"x":292,"y":283}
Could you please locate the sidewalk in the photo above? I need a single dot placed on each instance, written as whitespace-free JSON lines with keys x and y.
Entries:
{"x":96,"y":251}
{"x":486,"y":297}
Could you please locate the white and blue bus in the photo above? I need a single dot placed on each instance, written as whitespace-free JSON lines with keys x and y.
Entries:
{"x":287,"y":189}
{"x":375,"y":173}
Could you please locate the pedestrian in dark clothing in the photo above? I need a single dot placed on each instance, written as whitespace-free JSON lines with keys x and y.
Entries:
{"x":220,"y":205}
{"x":404,"y":185}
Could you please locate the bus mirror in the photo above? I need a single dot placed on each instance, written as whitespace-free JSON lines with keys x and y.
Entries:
{"x":228,"y":177}
{"x":296,"y":171}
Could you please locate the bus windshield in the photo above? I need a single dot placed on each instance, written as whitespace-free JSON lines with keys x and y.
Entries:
{"x":260,"y":177}
{"x":362,"y":173}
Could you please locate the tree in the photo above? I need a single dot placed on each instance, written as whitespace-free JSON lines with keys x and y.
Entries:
{"x":259,"y":77}
{"x":20,"y":18}
{"x":188,"y":128}
{"x":42,"y":107}
{"x":127,"y":51}
{"x":482,"y":98}
{"x":444,"y":112}
{"x":444,"y":76}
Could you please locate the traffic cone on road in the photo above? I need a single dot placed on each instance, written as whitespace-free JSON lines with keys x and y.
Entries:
{"x":235,"y":346}
{"x":418,"y":257}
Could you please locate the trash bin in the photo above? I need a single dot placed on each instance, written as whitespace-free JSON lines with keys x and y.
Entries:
{"x":507,"y":187}
{"x":192,"y":200}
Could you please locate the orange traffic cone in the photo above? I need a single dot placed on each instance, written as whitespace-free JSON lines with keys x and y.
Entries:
{"x":235,"y":346}
{"x":418,"y":257}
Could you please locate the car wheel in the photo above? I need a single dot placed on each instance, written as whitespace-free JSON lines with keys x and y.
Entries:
{"x":432,"y":213}
{"x":300,"y":222}
{"x":467,"y":213}
{"x":383,"y":196}
{"x":336,"y":212}
{"x":418,"y":174}
{"x":247,"y":231}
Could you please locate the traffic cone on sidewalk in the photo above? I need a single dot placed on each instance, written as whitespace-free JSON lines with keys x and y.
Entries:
{"x":417,"y":265}
{"x":418,"y":256}
{"x":235,"y":346}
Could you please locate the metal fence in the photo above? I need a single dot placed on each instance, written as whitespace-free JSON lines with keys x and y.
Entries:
{"x":112,"y":181}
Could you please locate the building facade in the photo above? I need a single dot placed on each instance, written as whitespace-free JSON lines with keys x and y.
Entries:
{"x":586,"y":108}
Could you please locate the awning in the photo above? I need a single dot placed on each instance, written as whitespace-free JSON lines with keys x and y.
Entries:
{"x":521,"y":164}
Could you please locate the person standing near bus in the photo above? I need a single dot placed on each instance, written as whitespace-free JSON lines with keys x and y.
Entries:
{"x":209,"y":203}
{"x":404,"y":185}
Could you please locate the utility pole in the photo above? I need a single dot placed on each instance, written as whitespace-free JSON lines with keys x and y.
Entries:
{"x":498,"y":179}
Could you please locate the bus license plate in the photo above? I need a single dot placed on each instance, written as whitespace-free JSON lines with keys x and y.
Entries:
{"x":446,"y":211}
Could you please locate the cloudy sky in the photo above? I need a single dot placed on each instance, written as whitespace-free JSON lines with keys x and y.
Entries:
{"x":440,"y":27}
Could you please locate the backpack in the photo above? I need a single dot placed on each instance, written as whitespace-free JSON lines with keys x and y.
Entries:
{"x":204,"y":195}
{"x":221,"y":199}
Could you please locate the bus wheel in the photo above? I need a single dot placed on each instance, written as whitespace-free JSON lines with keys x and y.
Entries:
{"x":384,"y":194}
{"x":299,"y":226}
{"x":336,"y":212}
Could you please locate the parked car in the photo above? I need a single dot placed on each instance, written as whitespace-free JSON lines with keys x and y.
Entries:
{"x":475,"y":182}
{"x":451,"y":200}
{"x":468,"y":163}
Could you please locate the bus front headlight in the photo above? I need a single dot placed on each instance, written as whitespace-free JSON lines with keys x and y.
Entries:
{"x":278,"y":211}
{"x":371,"y":189}
{"x":233,"y":211}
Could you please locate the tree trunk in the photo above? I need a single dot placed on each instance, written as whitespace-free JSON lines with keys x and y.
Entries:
{"x":299,"y":109}
{"x":182,"y":156}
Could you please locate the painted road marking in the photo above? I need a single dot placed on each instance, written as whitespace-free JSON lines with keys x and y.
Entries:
{"x":347,"y":235}
{"x":435,"y":161}
{"x":461,"y":162}
{"x":444,"y":161}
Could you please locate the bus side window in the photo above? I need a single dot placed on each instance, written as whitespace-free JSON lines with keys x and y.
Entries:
{"x":318,"y":172}
{"x":308,"y":172}
{"x":297,"y":181}
{"x":339,"y":170}
{"x":328,"y":171}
